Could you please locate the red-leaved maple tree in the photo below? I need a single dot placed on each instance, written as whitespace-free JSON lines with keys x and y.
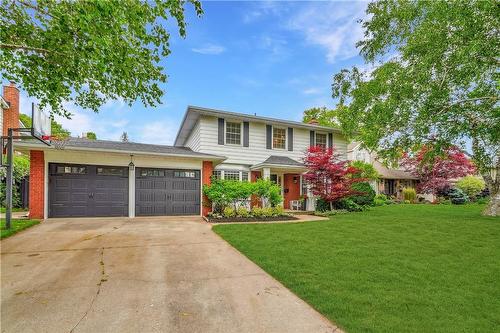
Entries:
{"x":328,"y":176}
{"x":435,"y":173}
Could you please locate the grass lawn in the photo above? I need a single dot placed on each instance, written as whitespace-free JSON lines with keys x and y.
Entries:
{"x":15,"y":209}
{"x":398,"y":268}
{"x":17,"y":225}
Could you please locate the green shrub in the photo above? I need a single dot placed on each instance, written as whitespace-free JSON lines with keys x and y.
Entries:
{"x":229,"y":212}
{"x":242,"y":212}
{"x":471,"y":185}
{"x":409,"y":194}
{"x":482,"y":200}
{"x":348,"y":204}
{"x":367,"y":170}
{"x":223,"y":193}
{"x":257,"y":212}
{"x":278,"y":211}
{"x":21,"y":170}
{"x":322,"y":205}
{"x":366,"y":195}
{"x":267,"y":211}
{"x":268,"y":191}
{"x":457,"y":196}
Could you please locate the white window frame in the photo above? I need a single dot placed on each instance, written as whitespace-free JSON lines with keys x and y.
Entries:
{"x":272,"y":137}
{"x":240,"y":174}
{"x":241,"y":133}
{"x":316,"y":138}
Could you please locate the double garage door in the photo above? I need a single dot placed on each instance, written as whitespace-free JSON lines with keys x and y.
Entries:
{"x":90,"y":190}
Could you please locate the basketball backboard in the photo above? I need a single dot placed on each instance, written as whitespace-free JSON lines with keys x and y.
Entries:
{"x":40,"y":126}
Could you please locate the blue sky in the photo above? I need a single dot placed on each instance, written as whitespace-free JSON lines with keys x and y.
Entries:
{"x":275,"y":59}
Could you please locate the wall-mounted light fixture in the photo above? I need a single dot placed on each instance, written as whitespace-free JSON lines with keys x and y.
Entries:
{"x":295,"y":180}
{"x":131,"y":165}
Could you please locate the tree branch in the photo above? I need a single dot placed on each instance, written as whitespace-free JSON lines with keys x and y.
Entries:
{"x":27,"y":48}
{"x":37,"y":8}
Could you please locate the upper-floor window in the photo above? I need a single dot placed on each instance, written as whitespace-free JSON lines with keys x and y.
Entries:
{"x":233,"y":133}
{"x":279,"y":138}
{"x":321,"y":140}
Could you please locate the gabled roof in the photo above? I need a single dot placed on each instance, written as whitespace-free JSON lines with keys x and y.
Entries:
{"x":387,"y":173}
{"x":126,"y":147}
{"x":193,"y":113}
{"x":282,"y":160}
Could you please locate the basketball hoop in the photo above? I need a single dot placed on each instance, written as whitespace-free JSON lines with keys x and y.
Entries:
{"x":58,"y":142}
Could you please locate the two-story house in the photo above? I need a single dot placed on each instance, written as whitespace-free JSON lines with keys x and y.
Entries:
{"x":81,"y":177}
{"x":256,"y":147}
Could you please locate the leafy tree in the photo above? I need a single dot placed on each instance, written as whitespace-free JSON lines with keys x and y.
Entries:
{"x":324,"y":116}
{"x":330,"y":177}
{"x":124,"y":137}
{"x":435,"y":175}
{"x":471,"y":185}
{"x":435,"y":82}
{"x":366,"y":170}
{"x":268,"y":192}
{"x":88,"y":51}
{"x":56,"y":128}
{"x":91,"y":136}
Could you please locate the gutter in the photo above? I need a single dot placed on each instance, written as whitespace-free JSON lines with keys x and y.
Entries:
{"x":125,"y":152}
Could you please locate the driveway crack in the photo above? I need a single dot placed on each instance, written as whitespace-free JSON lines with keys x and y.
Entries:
{"x":103,"y":278}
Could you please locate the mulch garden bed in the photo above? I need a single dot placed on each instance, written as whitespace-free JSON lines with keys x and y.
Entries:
{"x":251,"y":219}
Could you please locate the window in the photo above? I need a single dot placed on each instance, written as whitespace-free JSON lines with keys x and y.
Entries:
{"x":71,"y":169}
{"x":279,"y":138}
{"x":244,"y":176}
{"x":232,"y":175}
{"x":233,"y":133}
{"x":184,"y":174}
{"x":217,"y":174}
{"x":110,"y":171}
{"x":153,"y":172}
{"x":321,"y":140}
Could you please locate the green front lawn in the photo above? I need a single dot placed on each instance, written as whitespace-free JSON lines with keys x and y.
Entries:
{"x":399,"y":268}
{"x":17,"y":225}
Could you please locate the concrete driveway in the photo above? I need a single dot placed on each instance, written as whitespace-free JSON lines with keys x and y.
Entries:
{"x":140,"y":275}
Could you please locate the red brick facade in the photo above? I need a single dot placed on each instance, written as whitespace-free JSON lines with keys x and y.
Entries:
{"x":11,"y":115}
{"x":37,"y":180}
{"x":208,"y":168}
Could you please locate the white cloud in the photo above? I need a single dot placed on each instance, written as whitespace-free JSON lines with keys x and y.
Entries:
{"x":212,"y":49}
{"x":158,"y":132}
{"x":334,"y":26}
{"x":312,"y":91}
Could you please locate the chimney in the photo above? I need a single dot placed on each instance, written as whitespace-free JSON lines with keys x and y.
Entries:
{"x":313,"y":122}
{"x":11,"y":114}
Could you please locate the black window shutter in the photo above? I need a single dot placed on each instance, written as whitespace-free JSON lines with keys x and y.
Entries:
{"x":290,"y":138}
{"x":221,"y":131}
{"x":269,"y":134}
{"x":311,"y":139}
{"x":246,"y":134}
{"x":330,"y":140}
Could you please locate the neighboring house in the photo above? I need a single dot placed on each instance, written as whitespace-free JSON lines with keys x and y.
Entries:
{"x":114,"y":178}
{"x":391,"y":181}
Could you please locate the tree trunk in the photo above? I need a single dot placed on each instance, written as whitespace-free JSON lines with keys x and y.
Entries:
{"x":493,"y":207}
{"x":331,"y":205}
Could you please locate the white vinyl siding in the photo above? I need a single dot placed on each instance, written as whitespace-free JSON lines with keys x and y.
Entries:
{"x":193,"y":140}
{"x":256,"y":152}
